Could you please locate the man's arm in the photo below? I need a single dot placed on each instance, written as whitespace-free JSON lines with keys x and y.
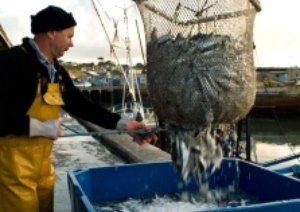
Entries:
{"x":12,"y":119}
{"x":77,"y":104}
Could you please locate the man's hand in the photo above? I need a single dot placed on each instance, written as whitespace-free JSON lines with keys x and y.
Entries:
{"x":140,"y":132}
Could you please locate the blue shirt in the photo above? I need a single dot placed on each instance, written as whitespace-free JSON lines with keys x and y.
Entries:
{"x":43,"y":60}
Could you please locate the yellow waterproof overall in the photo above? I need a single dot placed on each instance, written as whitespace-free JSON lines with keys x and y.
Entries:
{"x":27,"y":176}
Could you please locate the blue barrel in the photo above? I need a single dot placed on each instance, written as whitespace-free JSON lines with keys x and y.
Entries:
{"x":138,"y":80}
{"x":282,"y":77}
{"x":110,"y":82}
{"x":100,"y":82}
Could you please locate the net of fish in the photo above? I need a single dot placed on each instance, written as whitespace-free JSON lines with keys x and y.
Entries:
{"x":200,"y":73}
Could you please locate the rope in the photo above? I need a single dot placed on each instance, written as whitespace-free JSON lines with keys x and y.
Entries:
{"x":141,"y":132}
{"x":140,"y":42}
{"x":69,"y":128}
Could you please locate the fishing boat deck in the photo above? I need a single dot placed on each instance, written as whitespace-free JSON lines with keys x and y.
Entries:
{"x":76,"y":152}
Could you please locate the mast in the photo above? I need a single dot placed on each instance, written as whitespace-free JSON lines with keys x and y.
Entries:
{"x":137,"y":104}
{"x":130,"y":77}
{"x":111,"y":45}
{"x":128,"y":52}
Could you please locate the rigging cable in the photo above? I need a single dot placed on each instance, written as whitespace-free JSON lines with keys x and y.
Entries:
{"x":111,"y":45}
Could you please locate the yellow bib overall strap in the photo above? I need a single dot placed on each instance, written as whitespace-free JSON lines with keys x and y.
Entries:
{"x":27,"y":176}
{"x":45,"y":107}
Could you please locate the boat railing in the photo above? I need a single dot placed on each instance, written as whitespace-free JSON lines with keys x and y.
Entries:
{"x":289,"y":165}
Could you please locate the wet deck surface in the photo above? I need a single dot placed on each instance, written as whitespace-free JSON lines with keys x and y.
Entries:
{"x":71,"y":153}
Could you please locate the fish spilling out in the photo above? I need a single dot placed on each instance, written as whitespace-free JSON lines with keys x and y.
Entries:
{"x":201,"y":75}
{"x":198,"y":84}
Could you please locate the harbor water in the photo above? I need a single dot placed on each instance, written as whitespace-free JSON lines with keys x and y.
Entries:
{"x":275,"y":136}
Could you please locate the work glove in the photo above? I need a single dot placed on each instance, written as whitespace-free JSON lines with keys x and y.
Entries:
{"x":137,"y":130}
{"x":49,"y":129}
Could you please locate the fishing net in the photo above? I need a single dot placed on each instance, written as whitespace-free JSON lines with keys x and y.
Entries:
{"x":200,"y":72}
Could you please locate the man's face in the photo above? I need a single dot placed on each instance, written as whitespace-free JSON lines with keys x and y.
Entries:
{"x":62,"y":41}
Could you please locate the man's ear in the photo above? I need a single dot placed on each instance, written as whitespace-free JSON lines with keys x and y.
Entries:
{"x":51,"y":34}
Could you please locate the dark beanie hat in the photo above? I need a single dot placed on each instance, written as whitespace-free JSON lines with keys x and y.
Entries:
{"x":51,"y":18}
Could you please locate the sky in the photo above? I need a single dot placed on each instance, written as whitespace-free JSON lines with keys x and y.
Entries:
{"x":89,"y":40}
{"x":276,"y":31}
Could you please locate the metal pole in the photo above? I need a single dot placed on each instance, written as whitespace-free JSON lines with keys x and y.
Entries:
{"x":164,"y":137}
{"x":239,"y":137}
{"x":248,"y":140}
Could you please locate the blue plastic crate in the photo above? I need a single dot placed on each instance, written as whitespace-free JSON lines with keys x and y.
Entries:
{"x":144,"y":180}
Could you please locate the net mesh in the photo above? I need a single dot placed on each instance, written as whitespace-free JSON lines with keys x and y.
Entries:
{"x":199,"y":55}
{"x":200,"y":71}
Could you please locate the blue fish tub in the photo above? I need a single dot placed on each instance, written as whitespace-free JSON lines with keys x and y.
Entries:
{"x":274,"y":191}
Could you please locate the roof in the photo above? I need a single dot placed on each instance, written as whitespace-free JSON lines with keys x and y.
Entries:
{"x":4,"y":41}
{"x":277,"y":69}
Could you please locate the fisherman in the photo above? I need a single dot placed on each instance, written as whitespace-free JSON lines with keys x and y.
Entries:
{"x":34,"y":87}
